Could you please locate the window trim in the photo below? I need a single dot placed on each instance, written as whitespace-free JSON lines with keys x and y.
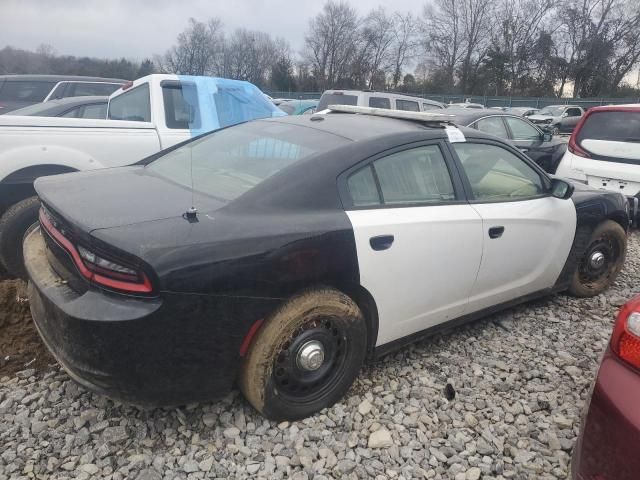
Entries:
{"x":546,"y":180}
{"x":454,"y":175}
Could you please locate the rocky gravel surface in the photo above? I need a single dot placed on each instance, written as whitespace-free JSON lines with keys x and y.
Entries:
{"x":498,"y":399}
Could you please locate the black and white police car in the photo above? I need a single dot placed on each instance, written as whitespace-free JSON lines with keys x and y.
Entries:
{"x":281,"y":254}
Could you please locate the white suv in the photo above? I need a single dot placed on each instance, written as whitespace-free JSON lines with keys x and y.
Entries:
{"x":604,"y":151}
{"x":370,"y":98}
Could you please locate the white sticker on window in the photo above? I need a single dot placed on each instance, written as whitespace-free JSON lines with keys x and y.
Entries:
{"x":455,"y":135}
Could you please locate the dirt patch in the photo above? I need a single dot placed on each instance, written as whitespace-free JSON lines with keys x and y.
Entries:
{"x":20,"y":344}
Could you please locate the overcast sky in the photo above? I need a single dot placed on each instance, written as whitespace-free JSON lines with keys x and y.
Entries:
{"x":140,"y":28}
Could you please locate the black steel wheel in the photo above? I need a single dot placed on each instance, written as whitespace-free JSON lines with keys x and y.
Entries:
{"x":601,"y":261}
{"x":306,"y":356}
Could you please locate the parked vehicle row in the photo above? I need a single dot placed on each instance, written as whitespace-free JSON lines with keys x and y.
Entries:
{"x":305,"y":245}
{"x":541,"y":146}
{"x":17,"y":91}
{"x":144,"y":117}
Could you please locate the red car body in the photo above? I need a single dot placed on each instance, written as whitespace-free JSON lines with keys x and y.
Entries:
{"x":608,"y":447}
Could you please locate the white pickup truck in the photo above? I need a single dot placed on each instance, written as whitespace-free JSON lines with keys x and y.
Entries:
{"x":145,"y":116}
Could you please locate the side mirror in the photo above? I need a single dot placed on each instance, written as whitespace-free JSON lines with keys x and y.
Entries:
{"x":547,"y":136}
{"x":565,"y":115}
{"x":561,"y":189}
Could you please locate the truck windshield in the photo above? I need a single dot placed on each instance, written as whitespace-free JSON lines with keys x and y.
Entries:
{"x":229,"y":162}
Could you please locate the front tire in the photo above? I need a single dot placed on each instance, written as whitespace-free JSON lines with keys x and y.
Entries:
{"x":14,"y":223}
{"x":601,"y":262}
{"x":306,"y":356}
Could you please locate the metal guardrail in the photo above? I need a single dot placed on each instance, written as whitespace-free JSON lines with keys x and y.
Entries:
{"x":488,"y":101}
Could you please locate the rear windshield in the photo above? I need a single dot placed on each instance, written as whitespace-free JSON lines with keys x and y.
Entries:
{"x":230,"y":162}
{"x":613,"y":127}
{"x":25,"y":91}
{"x":336,"y":99}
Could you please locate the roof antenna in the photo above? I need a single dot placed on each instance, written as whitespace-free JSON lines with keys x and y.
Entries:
{"x":192,"y":212}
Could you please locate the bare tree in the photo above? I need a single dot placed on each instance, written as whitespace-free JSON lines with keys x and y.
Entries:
{"x":442,"y":37}
{"x":250,"y":55}
{"x":332,"y":42}
{"x":404,"y":45}
{"x":378,"y":35}
{"x":199,"y":50}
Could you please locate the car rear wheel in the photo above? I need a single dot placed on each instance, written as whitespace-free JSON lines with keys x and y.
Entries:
{"x":306,"y":356}
{"x":601,"y":262}
{"x":14,"y":223}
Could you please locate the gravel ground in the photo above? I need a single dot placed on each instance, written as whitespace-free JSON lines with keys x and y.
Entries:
{"x":517,"y":385}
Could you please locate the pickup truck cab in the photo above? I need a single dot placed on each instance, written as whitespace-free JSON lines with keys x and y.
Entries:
{"x":143,"y":117}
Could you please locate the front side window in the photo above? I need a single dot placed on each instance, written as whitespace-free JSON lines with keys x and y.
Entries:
{"x":496,"y":174}
{"x":133,"y":105}
{"x":494,"y":126}
{"x":407,"y":105}
{"x":379,"y":102}
{"x":522,"y":130}
{"x":418,"y":175}
{"x":428,"y":106}
{"x":573,"y":112}
{"x":229,"y":162}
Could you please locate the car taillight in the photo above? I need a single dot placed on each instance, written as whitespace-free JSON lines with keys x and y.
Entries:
{"x":573,"y":146}
{"x":625,"y":341}
{"x":576,"y":149}
{"x":96,"y":268}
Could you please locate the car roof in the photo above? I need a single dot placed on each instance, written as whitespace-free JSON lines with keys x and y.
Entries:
{"x":359,"y":127}
{"x":627,"y":107}
{"x":58,"y":78}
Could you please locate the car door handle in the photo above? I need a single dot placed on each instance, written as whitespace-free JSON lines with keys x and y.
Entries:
{"x":381,"y":242}
{"x":496,"y":232}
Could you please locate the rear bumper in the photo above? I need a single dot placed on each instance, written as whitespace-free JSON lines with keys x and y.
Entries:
{"x":152,"y":352}
{"x":607,"y":448}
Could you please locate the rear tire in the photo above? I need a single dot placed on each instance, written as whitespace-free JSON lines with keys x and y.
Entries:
{"x":601,"y":262}
{"x":279,"y":376}
{"x":14,"y":223}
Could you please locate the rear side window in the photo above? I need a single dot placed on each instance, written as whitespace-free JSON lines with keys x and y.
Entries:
{"x":336,"y":99}
{"x":418,"y":175}
{"x":379,"y":102}
{"x":133,"y":105}
{"x":179,"y":113}
{"x":407,"y":105}
{"x":25,"y":91}
{"x":363,"y":188}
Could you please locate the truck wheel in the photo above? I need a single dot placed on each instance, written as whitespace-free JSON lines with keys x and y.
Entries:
{"x":14,"y":223}
{"x":306,"y":356}
{"x":601,"y":262}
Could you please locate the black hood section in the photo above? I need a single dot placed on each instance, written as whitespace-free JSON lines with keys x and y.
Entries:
{"x":117,"y":197}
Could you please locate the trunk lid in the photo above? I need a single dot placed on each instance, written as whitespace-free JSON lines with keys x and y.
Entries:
{"x":117,"y":197}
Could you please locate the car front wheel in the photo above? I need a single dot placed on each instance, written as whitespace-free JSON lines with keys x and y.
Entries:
{"x":601,"y":262}
{"x":306,"y":356}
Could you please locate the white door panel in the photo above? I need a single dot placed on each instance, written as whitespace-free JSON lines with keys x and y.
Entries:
{"x":427,"y":274}
{"x":531,"y":252}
